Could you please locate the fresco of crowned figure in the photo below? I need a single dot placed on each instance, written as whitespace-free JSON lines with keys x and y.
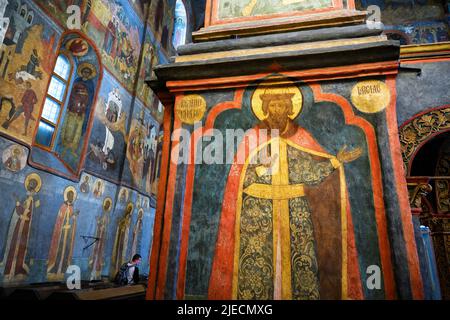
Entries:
{"x":96,"y":261}
{"x":247,"y":8}
{"x":121,"y":239}
{"x":78,"y":109}
{"x":287,"y":240}
{"x":63,"y":238}
{"x":16,"y":241}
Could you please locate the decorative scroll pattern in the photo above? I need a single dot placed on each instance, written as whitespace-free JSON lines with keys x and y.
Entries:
{"x":305,"y":169}
{"x":305,"y":270}
{"x":255,"y":278}
{"x":420,"y":129}
{"x":256,"y":263}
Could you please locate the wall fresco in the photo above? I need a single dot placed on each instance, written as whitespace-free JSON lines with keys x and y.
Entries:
{"x":161,"y":22}
{"x":27,"y":55}
{"x":235,"y":9}
{"x":117,"y":30}
{"x":110,"y":129}
{"x":141,"y":150}
{"x":40,"y":239}
{"x":51,"y":222}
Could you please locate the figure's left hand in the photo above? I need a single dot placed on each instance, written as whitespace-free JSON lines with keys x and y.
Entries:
{"x":345,"y":156}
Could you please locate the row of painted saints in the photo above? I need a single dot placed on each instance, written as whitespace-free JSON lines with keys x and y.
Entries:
{"x":15,"y":259}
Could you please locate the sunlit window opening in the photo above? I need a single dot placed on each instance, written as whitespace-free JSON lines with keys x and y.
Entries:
{"x":180,"y":26}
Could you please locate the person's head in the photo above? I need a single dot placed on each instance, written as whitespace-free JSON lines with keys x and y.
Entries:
{"x":86,"y":73}
{"x":129,"y":209}
{"x":32,"y":185}
{"x":136,"y":259}
{"x":70,"y":196}
{"x":107,"y":205}
{"x":28,"y":85}
{"x":277,"y":108}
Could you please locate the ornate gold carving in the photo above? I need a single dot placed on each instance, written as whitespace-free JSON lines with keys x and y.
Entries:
{"x":420,"y":129}
{"x":370,"y":96}
{"x":418,"y":191}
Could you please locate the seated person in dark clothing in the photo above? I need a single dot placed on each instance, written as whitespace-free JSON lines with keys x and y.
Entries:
{"x":133,"y":270}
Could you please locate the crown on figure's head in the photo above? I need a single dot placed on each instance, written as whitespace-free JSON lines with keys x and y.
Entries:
{"x":276,"y":93}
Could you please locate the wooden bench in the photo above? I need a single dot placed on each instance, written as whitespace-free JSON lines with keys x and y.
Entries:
{"x":34,"y":293}
{"x":41,"y":291}
{"x":7,"y":290}
{"x":135,"y":292}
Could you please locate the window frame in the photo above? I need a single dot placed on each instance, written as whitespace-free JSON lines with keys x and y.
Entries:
{"x":61,"y":103}
{"x":23,"y":8}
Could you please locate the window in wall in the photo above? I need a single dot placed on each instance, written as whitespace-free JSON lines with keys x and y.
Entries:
{"x":30,"y":18}
{"x":54,"y":102}
{"x":23,"y":11}
{"x":67,"y":112}
{"x":180,"y":25}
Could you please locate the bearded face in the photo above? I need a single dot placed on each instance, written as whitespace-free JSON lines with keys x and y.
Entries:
{"x":278,"y":112}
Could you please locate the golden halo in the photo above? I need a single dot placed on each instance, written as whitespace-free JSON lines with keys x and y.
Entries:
{"x":108,"y":199}
{"x":124,"y":192}
{"x":101,"y":186}
{"x":66,"y":191}
{"x":130,"y":205}
{"x":36,"y":177}
{"x":140,"y":213}
{"x":89,"y":66}
{"x":289,"y":89}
